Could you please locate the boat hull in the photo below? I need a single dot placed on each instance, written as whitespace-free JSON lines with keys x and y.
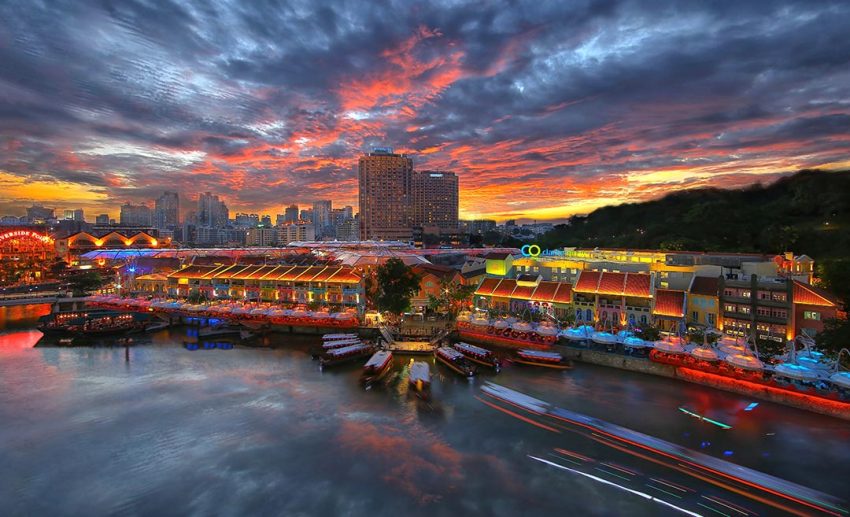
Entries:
{"x":565,"y":365}
{"x":325,"y":362}
{"x":456,"y":368}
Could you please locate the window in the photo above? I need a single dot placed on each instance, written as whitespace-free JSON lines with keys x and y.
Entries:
{"x":745,"y":294}
{"x":744,"y":309}
{"x":589,"y":314}
{"x":729,"y":308}
{"x":643,"y":319}
{"x":779,"y":297}
{"x":695,"y":316}
{"x":811,"y":315}
{"x":709,"y":318}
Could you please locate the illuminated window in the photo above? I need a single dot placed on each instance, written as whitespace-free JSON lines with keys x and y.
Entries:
{"x":811,"y":315}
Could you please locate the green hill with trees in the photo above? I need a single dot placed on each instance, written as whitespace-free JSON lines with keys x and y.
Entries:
{"x":807,"y":212}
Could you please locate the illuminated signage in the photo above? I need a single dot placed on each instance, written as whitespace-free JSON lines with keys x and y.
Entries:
{"x":17,"y":234}
{"x":533,"y":250}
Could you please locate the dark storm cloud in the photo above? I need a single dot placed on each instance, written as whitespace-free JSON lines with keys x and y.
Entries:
{"x":133,"y":97}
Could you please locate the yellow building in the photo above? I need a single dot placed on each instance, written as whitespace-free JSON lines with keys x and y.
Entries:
{"x":704,"y":302}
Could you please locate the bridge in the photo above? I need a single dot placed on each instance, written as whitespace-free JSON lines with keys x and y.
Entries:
{"x":11,"y":300}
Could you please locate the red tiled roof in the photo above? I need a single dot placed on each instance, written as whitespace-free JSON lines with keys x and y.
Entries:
{"x":523,"y":292}
{"x":564,"y":294}
{"x":487,"y":286}
{"x":669,"y":303}
{"x":705,"y":286}
{"x":334,"y":274}
{"x":506,"y":288}
{"x":588,"y":282}
{"x":637,"y":284}
{"x":545,"y":291}
{"x":806,"y":294}
{"x":612,"y":283}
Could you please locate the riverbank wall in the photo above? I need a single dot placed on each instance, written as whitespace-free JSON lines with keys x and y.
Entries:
{"x":833,"y":408}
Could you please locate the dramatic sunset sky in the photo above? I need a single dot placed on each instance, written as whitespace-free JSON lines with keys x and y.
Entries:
{"x":544,"y":109}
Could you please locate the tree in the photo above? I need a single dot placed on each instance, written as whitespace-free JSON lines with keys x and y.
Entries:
{"x":835,"y":335}
{"x":834,"y":276}
{"x":396,"y":283}
{"x":648,"y":333}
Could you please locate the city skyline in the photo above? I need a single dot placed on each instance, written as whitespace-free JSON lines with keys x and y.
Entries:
{"x":542,"y":112}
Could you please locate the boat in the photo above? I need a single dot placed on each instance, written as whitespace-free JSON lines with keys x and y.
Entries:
{"x":377,"y":367}
{"x":155,"y":327}
{"x":455,"y":361}
{"x":339,"y":337}
{"x":841,"y":379}
{"x":544,"y":359}
{"x":222,"y":330}
{"x":330,"y":345}
{"x":345,"y":354}
{"x":420,"y":375}
{"x":479,"y":355}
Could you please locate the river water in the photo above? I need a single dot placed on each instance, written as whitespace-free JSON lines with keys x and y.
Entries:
{"x":261,"y":431}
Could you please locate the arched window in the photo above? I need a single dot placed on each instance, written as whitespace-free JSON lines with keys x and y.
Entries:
{"x":589,"y":315}
{"x":616,"y":317}
{"x":579,"y":315}
{"x":643,"y":319}
{"x":604,"y":315}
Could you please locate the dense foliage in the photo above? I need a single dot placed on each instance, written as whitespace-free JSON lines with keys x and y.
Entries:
{"x":395,"y":284}
{"x":808,"y":212}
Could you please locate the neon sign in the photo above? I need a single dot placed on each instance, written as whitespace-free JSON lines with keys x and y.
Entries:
{"x":25,"y":234}
{"x":533,"y":250}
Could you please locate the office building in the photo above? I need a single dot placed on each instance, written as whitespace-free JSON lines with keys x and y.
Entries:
{"x":385,"y":181}
{"x":435,"y":200}
{"x":39,"y":214}
{"x":296,"y":232}
{"x":290,"y":215}
{"x":261,"y":237}
{"x":212,"y":211}
{"x":136,"y":215}
{"x":167,"y":210}
{"x":322,"y":219}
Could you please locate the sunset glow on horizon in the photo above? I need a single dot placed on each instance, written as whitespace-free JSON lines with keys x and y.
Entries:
{"x":543,"y":111}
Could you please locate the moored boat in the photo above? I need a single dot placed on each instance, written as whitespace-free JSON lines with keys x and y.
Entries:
{"x":479,"y":355}
{"x":330,"y":345}
{"x":419,"y":376}
{"x":545,"y":359}
{"x":344,"y":354}
{"x":455,"y":361}
{"x":221,"y":330}
{"x":377,"y":367}
{"x":339,"y":337}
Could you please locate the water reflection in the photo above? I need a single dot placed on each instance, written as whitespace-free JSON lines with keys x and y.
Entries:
{"x":263,"y":431}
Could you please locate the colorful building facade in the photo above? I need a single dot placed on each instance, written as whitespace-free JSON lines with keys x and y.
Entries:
{"x":285,"y":284}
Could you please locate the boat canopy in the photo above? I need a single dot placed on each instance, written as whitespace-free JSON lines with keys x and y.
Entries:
{"x":472,"y":348}
{"x":841,"y":379}
{"x":449,"y":353}
{"x":671,"y":347}
{"x":378,"y":359}
{"x":706,"y":354}
{"x":338,"y":352}
{"x":537,"y":354}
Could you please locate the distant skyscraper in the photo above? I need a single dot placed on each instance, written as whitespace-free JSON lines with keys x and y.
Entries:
{"x":385,"y":183}
{"x":102,"y":219}
{"x":212,"y":212}
{"x":167,"y":210}
{"x":306,"y":215}
{"x":291,"y":214}
{"x":435,"y":200}
{"x":136,"y":215}
{"x":39,"y":214}
{"x":266,"y":221}
{"x":322,"y":218}
{"x":74,"y":215}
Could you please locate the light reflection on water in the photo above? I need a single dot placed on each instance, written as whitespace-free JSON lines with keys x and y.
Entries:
{"x":262,"y":431}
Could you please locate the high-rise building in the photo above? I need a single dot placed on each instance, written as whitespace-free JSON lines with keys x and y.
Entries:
{"x":385,"y":184}
{"x":292,"y":232}
{"x":247,"y":220}
{"x":102,"y":219}
{"x":322,"y":218}
{"x":261,"y":237}
{"x":39,"y":214}
{"x":212,"y":212}
{"x":136,"y":215}
{"x":306,"y":215}
{"x":290,"y":215}
{"x":266,"y":221}
{"x":348,"y":229}
{"x":74,"y":215}
{"x":166,"y":212}
{"x":435,"y":200}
